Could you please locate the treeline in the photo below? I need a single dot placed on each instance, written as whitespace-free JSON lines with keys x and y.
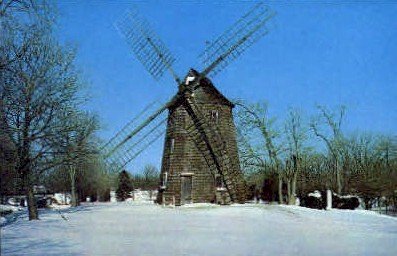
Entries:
{"x":282,"y":161}
{"x":147,"y":179}
{"x":46,"y":136}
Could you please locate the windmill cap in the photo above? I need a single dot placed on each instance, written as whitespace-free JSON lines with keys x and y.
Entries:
{"x":205,"y":87}
{"x":191,"y":76}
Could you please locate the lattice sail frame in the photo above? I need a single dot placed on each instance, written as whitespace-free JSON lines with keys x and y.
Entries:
{"x":146,"y":45}
{"x":156,"y":58}
{"x":135,"y":137}
{"x":238,"y":38}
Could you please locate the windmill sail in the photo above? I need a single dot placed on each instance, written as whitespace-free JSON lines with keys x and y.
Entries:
{"x":216,"y":152}
{"x":191,"y":138}
{"x":146,"y":45}
{"x":136,"y":136}
{"x":234,"y":41}
{"x":116,"y":139}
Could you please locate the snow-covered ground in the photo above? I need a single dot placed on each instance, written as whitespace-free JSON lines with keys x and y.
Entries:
{"x":8,"y":213}
{"x":136,"y":228}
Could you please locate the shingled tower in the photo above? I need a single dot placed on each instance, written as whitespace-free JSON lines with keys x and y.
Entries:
{"x":198,"y":165}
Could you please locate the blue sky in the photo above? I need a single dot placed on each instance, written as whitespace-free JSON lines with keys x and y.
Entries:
{"x":316,"y":53}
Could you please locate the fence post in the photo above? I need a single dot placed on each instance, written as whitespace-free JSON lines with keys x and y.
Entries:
{"x":329,"y":199}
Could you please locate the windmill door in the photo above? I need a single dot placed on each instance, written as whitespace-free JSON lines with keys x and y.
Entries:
{"x":186,"y":189}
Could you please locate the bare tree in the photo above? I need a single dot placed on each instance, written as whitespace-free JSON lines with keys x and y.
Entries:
{"x":314,"y":173}
{"x":11,"y":6}
{"x":150,"y":171}
{"x":251,"y":158}
{"x":90,"y":178}
{"x":77,"y":146}
{"x":38,"y":81}
{"x":8,"y":159}
{"x":370,"y":168}
{"x":334,"y":139}
{"x":255,"y":117}
{"x":296,"y":135}
{"x":148,"y":178}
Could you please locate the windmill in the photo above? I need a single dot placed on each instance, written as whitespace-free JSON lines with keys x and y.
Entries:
{"x":200,"y":159}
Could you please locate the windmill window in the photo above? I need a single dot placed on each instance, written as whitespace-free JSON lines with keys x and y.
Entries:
{"x":172,"y":145}
{"x":214,"y":116}
{"x":165,"y":179}
{"x":218,"y":181}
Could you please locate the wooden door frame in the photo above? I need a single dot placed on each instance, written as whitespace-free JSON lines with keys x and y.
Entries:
{"x":191,"y":175}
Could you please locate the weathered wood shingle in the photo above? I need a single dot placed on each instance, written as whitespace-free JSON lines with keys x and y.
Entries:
{"x":185,"y":152}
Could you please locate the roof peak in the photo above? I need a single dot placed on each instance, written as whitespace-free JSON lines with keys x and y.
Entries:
{"x":189,"y":83}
